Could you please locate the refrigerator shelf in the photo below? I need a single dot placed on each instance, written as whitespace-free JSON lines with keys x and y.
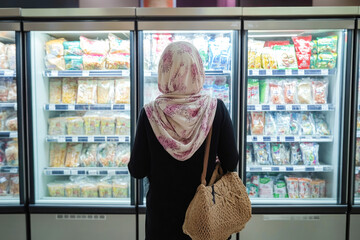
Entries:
{"x":90,"y":139}
{"x":9,"y":169}
{"x":291,"y":107}
{"x":302,"y":201}
{"x":85,"y":73}
{"x":6,"y":134}
{"x":289,"y":72}
{"x":90,"y":171}
{"x":290,"y":168}
{"x":81,"y":201}
{"x":9,"y":105}
{"x":86,"y":107}
{"x":7,"y":73}
{"x":149,"y":73}
{"x":310,"y":138}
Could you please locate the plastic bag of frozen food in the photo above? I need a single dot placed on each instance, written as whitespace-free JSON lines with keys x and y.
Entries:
{"x":87,"y":92}
{"x":294,"y":123}
{"x":357,"y":156}
{"x":266,"y":187}
{"x":262,"y":153}
{"x":14,"y":185}
{"x":88,"y":157}
{"x":4,"y":91}
{"x":303,"y":50}
{"x":249,"y":157}
{"x":11,"y":56}
{"x":105,"y":91}
{"x":358,"y":121}
{"x":105,"y":187}
{"x":12,"y":93}
{"x":322,"y":188}
{"x":123,"y":125}
{"x":57,"y":154}
{"x":290,"y":91}
{"x":264,"y":91}
{"x":2,"y":154}
{"x":304,"y":187}
{"x":326,"y":60}
{"x":280,"y":189}
{"x":107,"y":125}
{"x":310,"y":153}
{"x":72,"y":189}
{"x":276,"y":92}
{"x":307,"y":124}
{"x":285,"y":57}
{"x":118,"y":45}
{"x":280,"y":154}
{"x":268,"y":59}
{"x":69,"y":89}
{"x":295,"y":157}
{"x":252,"y":189}
{"x":93,"y":62}
{"x":94,"y":47}
{"x":313,"y":61}
{"x":270,"y":124}
{"x":118,"y":61}
{"x":56,"y":189}
{"x":248,"y":124}
{"x":55,"y":86}
{"x":3,"y":116}
{"x":313,"y":45}
{"x":73,"y":152}
{"x":72,"y":48}
{"x":122,"y":91}
{"x":292,"y":185}
{"x":257,"y":123}
{"x":327,"y":44}
{"x":89,"y":189}
{"x":106,"y":154}
{"x":92,"y":124}
{"x":57,"y":126}
{"x":75,"y":125}
{"x":12,"y":123}
{"x":315,"y":188}
{"x":320,"y":91}
{"x":73,"y":62}
{"x":283,"y":122}
{"x":4,"y":184}
{"x":3,"y":62}
{"x":120,"y":187}
{"x":321,"y":126}
{"x":254,"y":53}
{"x":304,"y":90}
{"x":11,"y":153}
{"x":55,"y":47}
{"x":2,"y":48}
{"x":122,"y":156}
{"x":54,"y":62}
{"x":253,"y":91}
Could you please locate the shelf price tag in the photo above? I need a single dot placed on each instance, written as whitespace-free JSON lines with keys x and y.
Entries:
{"x":75,"y":139}
{"x":126,"y":73}
{"x":73,"y":172}
{"x":90,"y":138}
{"x":257,"y":107}
{"x":266,"y":169}
{"x":325,"y":107}
{"x":54,"y":73}
{"x":8,"y":73}
{"x":111,"y":172}
{"x":61,"y":139}
{"x":303,"y":107}
{"x":92,"y":172}
{"x":288,"y":72}
{"x":13,"y":170}
{"x":52,"y":107}
{"x":268,"y":72}
{"x":147,"y":73}
{"x":324,"y":71}
{"x":272,"y":107}
{"x":319,"y":168}
{"x":85,"y":73}
{"x":301,"y":72}
{"x":13,"y":134}
{"x":288,"y":107}
{"x":255,"y":72}
{"x":67,"y":172}
{"x":71,"y":107}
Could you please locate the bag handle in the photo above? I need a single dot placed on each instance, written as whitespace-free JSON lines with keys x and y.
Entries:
{"x":206,"y":157}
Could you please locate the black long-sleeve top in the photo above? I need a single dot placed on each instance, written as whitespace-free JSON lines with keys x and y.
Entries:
{"x":173,"y":183}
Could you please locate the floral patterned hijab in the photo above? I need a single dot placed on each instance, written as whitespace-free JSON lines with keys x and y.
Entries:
{"x":181,"y":117}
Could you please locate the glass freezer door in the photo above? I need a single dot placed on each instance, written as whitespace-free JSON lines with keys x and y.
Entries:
{"x":356,"y":161}
{"x":81,"y":105}
{"x":295,"y":90}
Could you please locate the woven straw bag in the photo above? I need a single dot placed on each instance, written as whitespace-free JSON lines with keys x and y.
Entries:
{"x":219,"y":209}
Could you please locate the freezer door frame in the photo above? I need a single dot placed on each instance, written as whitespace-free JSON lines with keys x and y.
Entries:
{"x":189,"y":25}
{"x":80,"y":26}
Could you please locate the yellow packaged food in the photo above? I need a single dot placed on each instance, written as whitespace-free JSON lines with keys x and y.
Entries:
{"x":72,"y":189}
{"x":75,"y":125}
{"x":87,"y":92}
{"x":57,"y":126}
{"x":12,"y":92}
{"x":57,"y":154}
{"x":122,"y":91}
{"x":122,"y":157}
{"x":105,"y":91}
{"x":69,"y":89}
{"x":3,"y":116}
{"x":89,"y":190}
{"x":55,"y":91}
{"x":107,"y":125}
{"x":73,"y":154}
{"x":53,"y":62}
{"x":12,"y":153}
{"x":120,"y":188}
{"x":92,"y":124}
{"x":55,"y":47}
{"x":88,"y":156}
{"x":56,"y":189}
{"x":106,"y":154}
{"x":105,"y":189}
{"x":122,"y":124}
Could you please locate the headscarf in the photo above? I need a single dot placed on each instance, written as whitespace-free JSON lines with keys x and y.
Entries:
{"x":181,"y":117}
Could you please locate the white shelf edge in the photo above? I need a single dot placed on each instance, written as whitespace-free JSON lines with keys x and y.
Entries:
{"x":84,"y":201}
{"x":290,"y":201}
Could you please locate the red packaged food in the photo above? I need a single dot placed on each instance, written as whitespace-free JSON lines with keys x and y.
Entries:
{"x":257,"y":123}
{"x":303,"y":51}
{"x":276,"y":43}
{"x":320,"y":91}
{"x":289,"y":91}
{"x":276,"y":93}
{"x":304,"y":187}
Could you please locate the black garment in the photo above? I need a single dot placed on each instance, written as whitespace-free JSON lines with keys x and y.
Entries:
{"x":173,"y":183}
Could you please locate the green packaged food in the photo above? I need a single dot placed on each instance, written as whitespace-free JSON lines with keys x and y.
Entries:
{"x":313,"y":60}
{"x":327,"y":44}
{"x":73,"y":62}
{"x":280,"y":190}
{"x":253,"y":91}
{"x":264,"y":91}
{"x":72,"y":48}
{"x":313,"y":45}
{"x":285,"y":56}
{"x":326,"y":60}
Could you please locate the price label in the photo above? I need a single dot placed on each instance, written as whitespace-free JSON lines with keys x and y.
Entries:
{"x":67,"y":172}
{"x":54,"y":73}
{"x":13,"y":134}
{"x":318,"y":168}
{"x":13,"y":170}
{"x":61,"y":139}
{"x":126,"y":73}
{"x":301,"y":72}
{"x":255,"y":72}
{"x":248,"y":139}
{"x":85,"y":73}
{"x":288,"y":72}
{"x":75,"y":139}
{"x":74,"y":172}
{"x":147,"y":73}
{"x":272,"y":107}
{"x":111,"y":172}
{"x":303,"y":107}
{"x":15,"y":106}
{"x":324,"y":71}
{"x":257,"y":107}
{"x":8,"y":73}
{"x":266,"y":169}
{"x":268,"y":72}
{"x":288,"y":107}
{"x":91,"y":139}
{"x":127,"y":107}
{"x":71,"y":107}
{"x":92,"y":172}
{"x":325,"y":107}
{"x":51,"y":107}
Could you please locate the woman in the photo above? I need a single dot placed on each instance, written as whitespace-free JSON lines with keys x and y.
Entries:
{"x":170,"y":141}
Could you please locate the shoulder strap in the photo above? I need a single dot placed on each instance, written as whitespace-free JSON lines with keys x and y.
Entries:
{"x":206,"y":157}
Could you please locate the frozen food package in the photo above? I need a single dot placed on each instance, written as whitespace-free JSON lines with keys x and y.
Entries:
{"x":266,"y":187}
{"x":313,"y":61}
{"x":106,"y":154}
{"x":280,"y":189}
{"x":3,"y":62}
{"x":122,"y":91}
{"x":295,"y":157}
{"x":123,"y":125}
{"x":257,"y":123}
{"x":73,"y":152}
{"x":253,"y":91}
{"x":270,"y":124}
{"x":3,"y":116}
{"x":254,"y":53}
{"x":14,"y":185}
{"x":2,"y":154}
{"x":89,"y":190}
{"x":55,"y":90}
{"x":107,"y":125}
{"x":12,"y":123}
{"x":105,"y":188}
{"x":118,"y":45}
{"x":294,"y":123}
{"x":327,"y":44}
{"x":255,"y":179}
{"x":73,"y":62}
{"x":55,"y":47}
{"x":249,"y":157}
{"x":248,"y":124}
{"x":122,"y":156}
{"x":280,"y":154}
{"x":276,"y":92}
{"x":92,"y":124}
{"x":57,"y":126}
{"x":290,"y":91}
{"x":322,"y":189}
{"x":2,"y":48}
{"x":310,"y":153}
{"x":12,"y":93}
{"x":285,"y":57}
{"x":118,"y":61}
{"x":4,"y":184}
{"x":320,"y":91}
{"x":120,"y":188}
{"x":303,"y":51}
{"x":304,"y":187}
{"x":292,"y":185}
{"x":57,"y":154}
{"x":321,"y":127}
{"x":315,"y":188}
{"x":11,"y":56}
{"x":252,"y":190}
{"x":94,"y":47}
{"x":56,"y":189}
{"x":69,"y":89}
{"x":87,"y":92}
{"x":72,"y":189}
{"x":262,"y":153}
{"x":276,"y":43}
{"x":88,"y":157}
{"x":72,"y":48}
{"x":75,"y":125}
{"x":307,"y":124}
{"x":357,"y":155}
{"x":4,"y":91}
{"x":304,"y":90}
{"x":313,"y":45}
{"x":283,"y":123}
{"x":326,"y":61}
{"x":93,"y":62}
{"x":54,"y":62}
{"x":105,"y":91}
{"x":264,"y":91}
{"x":268,"y":59}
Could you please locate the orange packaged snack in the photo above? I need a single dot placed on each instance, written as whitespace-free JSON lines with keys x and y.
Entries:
{"x":276,"y":93}
{"x":289,"y":92}
{"x":320,"y":91}
{"x":257,"y":123}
